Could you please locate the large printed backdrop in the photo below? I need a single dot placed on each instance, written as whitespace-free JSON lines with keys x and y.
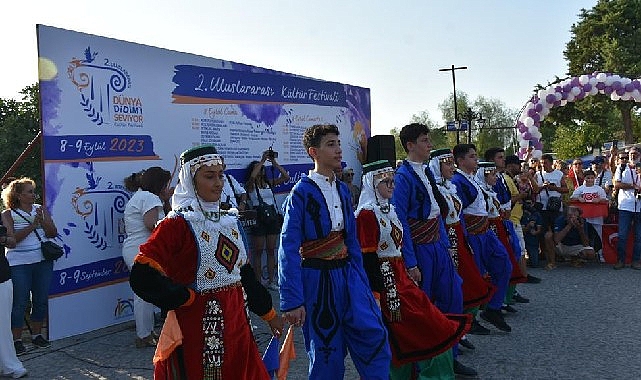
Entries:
{"x":110,"y":108}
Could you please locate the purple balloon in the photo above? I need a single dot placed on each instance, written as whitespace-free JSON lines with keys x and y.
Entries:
{"x":558,"y":89}
{"x":531,"y":112}
{"x":557,"y":103}
{"x":538,"y":107}
{"x":600,"y":86}
{"x":629,"y":87}
{"x":567,"y":88}
{"x":536,"y":117}
{"x":616,"y":85}
{"x":620,"y":91}
{"x":527,"y":136}
{"x":580,"y":96}
{"x":538,"y":145}
{"x":522,"y":128}
{"x":575,"y":81}
{"x":551,"y":98}
{"x":587,"y":87}
{"x":608,"y":90}
{"x":636,"y":84}
{"x":564,"y":95}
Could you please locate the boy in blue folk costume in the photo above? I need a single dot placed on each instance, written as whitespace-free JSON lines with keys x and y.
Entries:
{"x":491,"y":255}
{"x":419,"y":204}
{"x":323,"y":286}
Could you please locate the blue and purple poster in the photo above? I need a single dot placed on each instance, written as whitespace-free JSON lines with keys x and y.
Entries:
{"x":111,"y":108}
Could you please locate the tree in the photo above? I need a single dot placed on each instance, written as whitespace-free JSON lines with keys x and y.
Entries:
{"x":437,"y":134}
{"x":607,"y":38}
{"x":497,"y":131}
{"x":19,"y":124}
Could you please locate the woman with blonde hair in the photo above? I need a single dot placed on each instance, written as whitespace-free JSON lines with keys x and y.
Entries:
{"x":142,"y":212}
{"x":29,"y":223}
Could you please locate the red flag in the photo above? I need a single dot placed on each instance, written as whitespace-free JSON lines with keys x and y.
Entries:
{"x":287,"y":353}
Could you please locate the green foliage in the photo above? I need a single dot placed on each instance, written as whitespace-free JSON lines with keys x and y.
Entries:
{"x":606,"y":38}
{"x":496,"y":114}
{"x":438,"y":134}
{"x":19,"y":124}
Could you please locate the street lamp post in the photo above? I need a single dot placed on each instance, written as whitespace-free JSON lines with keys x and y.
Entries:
{"x":470,"y":115}
{"x":452,"y":69}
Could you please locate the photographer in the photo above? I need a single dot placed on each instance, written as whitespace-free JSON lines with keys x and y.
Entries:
{"x":571,"y":236}
{"x":627,"y":184}
{"x":266,"y":231}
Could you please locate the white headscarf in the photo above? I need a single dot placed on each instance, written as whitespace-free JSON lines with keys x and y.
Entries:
{"x":480,"y":175}
{"x":185,"y":197}
{"x":370,"y":196}
{"x":435,"y":165}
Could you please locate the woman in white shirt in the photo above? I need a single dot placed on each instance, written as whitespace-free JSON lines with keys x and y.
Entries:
{"x":28,"y":223}
{"x":264,"y":235}
{"x":142,"y":212}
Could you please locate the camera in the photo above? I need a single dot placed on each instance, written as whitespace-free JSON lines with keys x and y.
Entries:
{"x":271,"y":153}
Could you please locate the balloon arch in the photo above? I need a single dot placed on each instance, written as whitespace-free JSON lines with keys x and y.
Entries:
{"x":569,"y":90}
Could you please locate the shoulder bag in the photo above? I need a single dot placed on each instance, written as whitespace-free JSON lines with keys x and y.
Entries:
{"x":50,"y":250}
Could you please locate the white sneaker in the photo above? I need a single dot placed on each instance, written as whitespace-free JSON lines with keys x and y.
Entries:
{"x":19,"y":373}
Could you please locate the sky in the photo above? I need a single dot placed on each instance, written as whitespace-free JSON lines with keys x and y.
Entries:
{"x":394,"y":48}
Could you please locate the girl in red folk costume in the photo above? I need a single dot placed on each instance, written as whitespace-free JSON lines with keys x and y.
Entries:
{"x":486,"y":177}
{"x":195,"y":264}
{"x":476,"y":290}
{"x":405,"y":307}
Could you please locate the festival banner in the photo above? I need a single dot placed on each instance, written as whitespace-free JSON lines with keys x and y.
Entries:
{"x":111,"y":108}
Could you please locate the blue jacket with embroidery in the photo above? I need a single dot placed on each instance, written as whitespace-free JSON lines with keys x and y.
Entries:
{"x":412,"y":200}
{"x":465,"y":189}
{"x":307,"y":218}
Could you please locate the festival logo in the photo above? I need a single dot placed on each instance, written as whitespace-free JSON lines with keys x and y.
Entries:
{"x":102,"y":84}
{"x":124,"y":308}
{"x":101,"y":208}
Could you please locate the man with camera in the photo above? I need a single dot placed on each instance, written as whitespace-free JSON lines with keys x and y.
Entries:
{"x":571,"y":236}
{"x":628,"y":184}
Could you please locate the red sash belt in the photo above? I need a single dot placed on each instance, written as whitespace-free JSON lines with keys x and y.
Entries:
{"x":331,"y":247}
{"x":424,"y":231}
{"x":476,"y":224}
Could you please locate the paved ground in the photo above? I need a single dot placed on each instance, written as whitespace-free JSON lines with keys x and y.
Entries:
{"x":581,"y":324}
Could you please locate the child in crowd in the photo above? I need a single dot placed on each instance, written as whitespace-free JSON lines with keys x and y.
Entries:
{"x":532,"y":229}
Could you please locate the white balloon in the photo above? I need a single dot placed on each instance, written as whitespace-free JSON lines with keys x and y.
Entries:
{"x":594,"y":91}
{"x":537,"y":154}
{"x":528,"y":121}
{"x":575,"y":91}
{"x":608,"y":81}
{"x":601,"y":77}
{"x":524,"y":143}
{"x":558,"y":95}
{"x":584,"y":79}
{"x":541,"y":94}
{"x":614,"y":96}
{"x":564,"y":102}
{"x":625,"y":81}
{"x":537,"y":134}
{"x":593,"y":81}
{"x":532,"y":129}
{"x":544,"y":112}
{"x":570,"y":97}
{"x":626,"y":96}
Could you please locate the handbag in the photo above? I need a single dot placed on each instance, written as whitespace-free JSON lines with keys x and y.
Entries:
{"x":266,"y":213}
{"x":50,"y":250}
